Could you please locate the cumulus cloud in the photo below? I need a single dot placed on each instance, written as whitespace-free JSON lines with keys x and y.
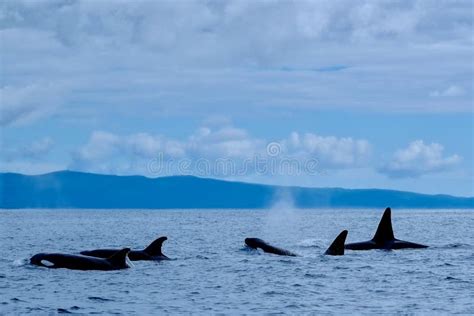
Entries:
{"x":108,"y":152}
{"x":419,"y":159}
{"x":225,"y":142}
{"x":331,"y":151}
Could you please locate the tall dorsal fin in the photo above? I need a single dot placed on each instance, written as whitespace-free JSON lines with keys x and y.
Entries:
{"x":154,"y":249}
{"x":337,"y":246}
{"x":119,"y":258}
{"x":384,"y":230}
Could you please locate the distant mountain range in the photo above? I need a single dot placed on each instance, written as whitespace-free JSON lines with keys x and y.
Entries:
{"x":68,"y":189}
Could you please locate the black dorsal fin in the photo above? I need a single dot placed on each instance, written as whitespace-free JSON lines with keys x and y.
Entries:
{"x":384,"y":231}
{"x":154,"y":249}
{"x":119,"y":259}
{"x":337,"y":246}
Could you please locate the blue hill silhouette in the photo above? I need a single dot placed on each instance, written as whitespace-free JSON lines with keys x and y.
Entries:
{"x":69,"y":189}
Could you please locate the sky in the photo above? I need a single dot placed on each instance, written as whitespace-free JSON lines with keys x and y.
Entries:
{"x":353,"y":94}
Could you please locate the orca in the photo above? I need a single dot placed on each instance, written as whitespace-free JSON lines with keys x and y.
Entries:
{"x":117,"y":261}
{"x":337,"y":246}
{"x":255,"y":243}
{"x":152,"y":252}
{"x":384,"y":237}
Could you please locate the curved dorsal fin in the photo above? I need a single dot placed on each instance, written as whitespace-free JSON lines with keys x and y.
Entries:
{"x":119,"y":258}
{"x":337,"y":246}
{"x":384,"y":230}
{"x":154,"y":249}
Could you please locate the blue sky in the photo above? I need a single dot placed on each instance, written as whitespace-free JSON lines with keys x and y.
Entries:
{"x":378,"y":93}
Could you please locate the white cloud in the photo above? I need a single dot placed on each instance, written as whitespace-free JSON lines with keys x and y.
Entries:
{"x":100,"y":145}
{"x":166,"y":25}
{"x":221,"y":56}
{"x":419,"y":159}
{"x":107,"y":152}
{"x":24,"y":104}
{"x":451,"y":91}
{"x":225,"y":142}
{"x":330,"y":151}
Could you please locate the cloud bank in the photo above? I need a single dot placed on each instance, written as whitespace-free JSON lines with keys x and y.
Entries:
{"x":197,"y":57}
{"x":129,"y":154}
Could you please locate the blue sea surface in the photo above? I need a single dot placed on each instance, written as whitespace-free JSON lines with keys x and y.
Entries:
{"x":214,"y":272}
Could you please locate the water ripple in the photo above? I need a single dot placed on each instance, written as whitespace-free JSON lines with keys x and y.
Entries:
{"x":214,"y":274}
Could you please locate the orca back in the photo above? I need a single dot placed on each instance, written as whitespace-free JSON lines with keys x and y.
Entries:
{"x":384,"y":231}
{"x":154,"y":249}
{"x":384,"y":237}
{"x":78,"y":262}
{"x":337,"y":246}
{"x":259,"y":243}
{"x":119,"y":259}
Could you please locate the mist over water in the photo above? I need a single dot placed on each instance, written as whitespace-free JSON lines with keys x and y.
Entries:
{"x":211,"y":273}
{"x":282,"y":218}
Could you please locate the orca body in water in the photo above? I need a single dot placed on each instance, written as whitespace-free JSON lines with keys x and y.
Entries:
{"x":116,"y":261}
{"x":337,"y":246}
{"x":384,"y":237}
{"x":255,"y":243}
{"x":152,"y":252}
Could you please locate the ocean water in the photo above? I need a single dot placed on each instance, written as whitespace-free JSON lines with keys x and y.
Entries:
{"x":214,"y":273}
